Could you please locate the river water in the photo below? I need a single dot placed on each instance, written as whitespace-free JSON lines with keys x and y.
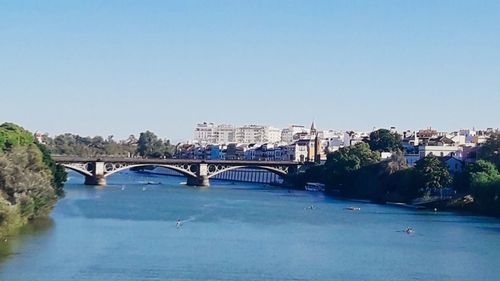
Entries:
{"x":127,"y":231}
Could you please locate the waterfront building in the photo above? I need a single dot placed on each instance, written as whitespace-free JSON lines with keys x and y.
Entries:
{"x":215,"y":152}
{"x":429,"y":142}
{"x":302,"y":150}
{"x":426,"y":150}
{"x":454,"y":164}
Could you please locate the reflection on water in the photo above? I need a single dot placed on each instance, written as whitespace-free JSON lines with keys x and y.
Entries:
{"x":128,"y":231}
{"x":14,"y":242}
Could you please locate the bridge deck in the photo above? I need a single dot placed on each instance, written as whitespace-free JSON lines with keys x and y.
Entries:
{"x":72,"y":159}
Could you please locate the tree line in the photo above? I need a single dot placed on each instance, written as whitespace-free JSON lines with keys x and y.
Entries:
{"x":147,"y":145}
{"x":357,"y":171}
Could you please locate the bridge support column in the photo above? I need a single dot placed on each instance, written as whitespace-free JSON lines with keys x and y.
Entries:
{"x":95,"y":180}
{"x":198,"y":181}
{"x":201,"y":178}
{"x":97,"y":177}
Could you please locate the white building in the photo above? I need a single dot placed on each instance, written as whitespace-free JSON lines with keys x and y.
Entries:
{"x":352,"y":138}
{"x":257,"y":134}
{"x":224,"y":134}
{"x":204,"y":133}
{"x":440,"y":151}
{"x":250,"y":134}
{"x":287,"y":134}
{"x":272,"y":135}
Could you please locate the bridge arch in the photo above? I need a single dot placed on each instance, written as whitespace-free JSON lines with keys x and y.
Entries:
{"x":185,"y":172}
{"x":79,"y":170}
{"x":274,"y":170}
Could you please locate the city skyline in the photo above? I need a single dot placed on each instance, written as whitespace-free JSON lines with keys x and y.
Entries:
{"x":291,"y":128}
{"x":94,"y":68}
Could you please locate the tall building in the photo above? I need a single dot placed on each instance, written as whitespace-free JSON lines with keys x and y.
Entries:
{"x":272,"y":135}
{"x":209,"y":133}
{"x":287,"y":134}
{"x":204,"y":133}
{"x":250,"y":134}
{"x":224,"y":134}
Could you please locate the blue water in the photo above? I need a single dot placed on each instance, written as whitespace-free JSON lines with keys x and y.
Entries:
{"x":127,"y":231}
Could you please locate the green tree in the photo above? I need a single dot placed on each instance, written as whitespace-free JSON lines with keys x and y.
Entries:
{"x":59,"y":174}
{"x":400,"y":186}
{"x":149,"y":145}
{"x":12,"y":135}
{"x":351,"y":158}
{"x":485,"y":186}
{"x":482,"y":172}
{"x":490,"y":150}
{"x":26,"y":181}
{"x":343,"y":163}
{"x":432,"y":173}
{"x":385,"y":140}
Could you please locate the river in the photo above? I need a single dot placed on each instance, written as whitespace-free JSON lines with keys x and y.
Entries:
{"x":127,"y":231}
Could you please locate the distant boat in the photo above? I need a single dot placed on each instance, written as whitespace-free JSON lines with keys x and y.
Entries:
{"x":153,"y":183}
{"x":353,"y":208}
{"x":314,"y":186}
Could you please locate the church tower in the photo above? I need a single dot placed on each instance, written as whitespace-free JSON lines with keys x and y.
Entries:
{"x":313,"y":130}
{"x":315,"y":152}
{"x":317,"y":149}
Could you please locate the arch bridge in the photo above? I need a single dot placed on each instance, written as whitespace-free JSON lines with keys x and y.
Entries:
{"x":198,"y":172}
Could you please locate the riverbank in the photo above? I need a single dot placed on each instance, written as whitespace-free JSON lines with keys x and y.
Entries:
{"x":461,"y":205}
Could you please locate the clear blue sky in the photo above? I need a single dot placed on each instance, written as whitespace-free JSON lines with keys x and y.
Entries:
{"x":121,"y":67}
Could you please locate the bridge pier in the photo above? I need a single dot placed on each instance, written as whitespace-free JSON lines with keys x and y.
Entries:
{"x":201,"y":178}
{"x":97,"y":177}
{"x":95,"y":180}
{"x":198,"y":181}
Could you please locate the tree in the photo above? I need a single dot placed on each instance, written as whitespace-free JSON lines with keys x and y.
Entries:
{"x":342,"y":163}
{"x":59,"y":175}
{"x":351,"y":158}
{"x":485,"y":186}
{"x":26,"y":181}
{"x":401,"y":185}
{"x":13,"y":135}
{"x":149,"y":145}
{"x":490,"y":150}
{"x":385,"y":140}
{"x":432,"y":173}
{"x":481,"y":172}
{"x":131,"y":140}
{"x":396,"y":163}
{"x":146,"y":144}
